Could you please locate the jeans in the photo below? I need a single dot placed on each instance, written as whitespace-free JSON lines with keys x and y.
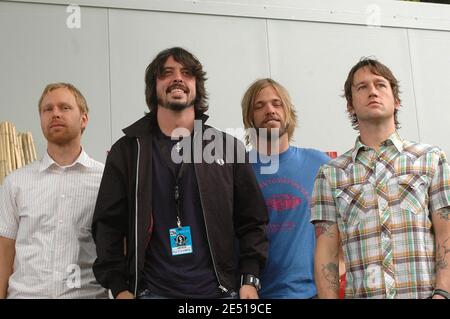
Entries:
{"x":147,"y":294}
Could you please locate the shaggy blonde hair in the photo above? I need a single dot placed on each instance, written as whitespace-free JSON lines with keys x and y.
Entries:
{"x":248,"y":102}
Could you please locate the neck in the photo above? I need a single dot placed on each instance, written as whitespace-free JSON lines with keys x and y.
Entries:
{"x":181,"y":121}
{"x":66,"y":154}
{"x":266,"y":147}
{"x":374,"y":134}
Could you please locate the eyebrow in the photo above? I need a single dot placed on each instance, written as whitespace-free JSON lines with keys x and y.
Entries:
{"x":57,"y":104}
{"x":377,"y":80}
{"x":264,"y":101}
{"x":171,"y":68}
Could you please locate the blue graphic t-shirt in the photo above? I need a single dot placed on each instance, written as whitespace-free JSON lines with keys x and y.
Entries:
{"x":289,"y":272}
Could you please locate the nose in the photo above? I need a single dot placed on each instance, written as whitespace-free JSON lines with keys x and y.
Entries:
{"x":270,"y":109}
{"x":177,"y":76}
{"x":56,"y":113}
{"x":373,"y":90}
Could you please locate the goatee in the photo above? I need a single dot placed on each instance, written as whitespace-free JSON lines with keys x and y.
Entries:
{"x":174,"y":106}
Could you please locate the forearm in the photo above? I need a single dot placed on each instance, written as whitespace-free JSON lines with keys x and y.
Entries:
{"x":443,"y":264}
{"x":7,"y":253}
{"x":326,"y":260}
{"x":442,"y":238}
{"x":4,"y":276}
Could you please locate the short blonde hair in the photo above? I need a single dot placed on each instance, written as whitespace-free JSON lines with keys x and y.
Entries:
{"x":79,"y":98}
{"x":248,"y":102}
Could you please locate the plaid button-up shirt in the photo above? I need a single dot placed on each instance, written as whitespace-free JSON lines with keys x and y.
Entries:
{"x":381,"y":198}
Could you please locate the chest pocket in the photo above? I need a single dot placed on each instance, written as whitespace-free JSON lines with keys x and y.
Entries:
{"x":413,"y":193}
{"x":351,"y":204}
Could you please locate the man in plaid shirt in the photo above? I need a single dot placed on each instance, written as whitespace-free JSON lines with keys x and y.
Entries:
{"x":387,"y":201}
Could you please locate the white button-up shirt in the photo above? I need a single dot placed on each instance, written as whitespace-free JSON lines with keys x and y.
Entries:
{"x":47,"y":209}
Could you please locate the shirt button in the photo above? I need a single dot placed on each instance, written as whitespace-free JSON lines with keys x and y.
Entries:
{"x":63,"y":196}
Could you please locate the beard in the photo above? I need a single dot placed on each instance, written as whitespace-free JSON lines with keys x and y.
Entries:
{"x":61,"y":138}
{"x":271,"y":133}
{"x":175,"y":106}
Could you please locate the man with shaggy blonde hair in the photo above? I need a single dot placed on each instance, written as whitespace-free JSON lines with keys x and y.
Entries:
{"x":270,"y":118}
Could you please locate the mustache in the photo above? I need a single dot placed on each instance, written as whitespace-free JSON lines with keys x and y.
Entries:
{"x":271,"y":118}
{"x":178,"y":86}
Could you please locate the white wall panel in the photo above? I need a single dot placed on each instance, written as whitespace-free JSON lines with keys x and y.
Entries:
{"x":430,"y":55}
{"x":386,"y":13}
{"x":37,"y":48}
{"x":232,"y":50}
{"x":313,"y":59}
{"x":106,"y":58}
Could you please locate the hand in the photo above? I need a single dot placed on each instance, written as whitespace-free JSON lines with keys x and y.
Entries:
{"x":248,"y":292}
{"x":125,"y":295}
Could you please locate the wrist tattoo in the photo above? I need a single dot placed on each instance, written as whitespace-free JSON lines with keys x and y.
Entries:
{"x":331,"y":273}
{"x":441,"y":252}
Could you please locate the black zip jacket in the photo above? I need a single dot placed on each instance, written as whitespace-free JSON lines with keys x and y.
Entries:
{"x":233,"y":208}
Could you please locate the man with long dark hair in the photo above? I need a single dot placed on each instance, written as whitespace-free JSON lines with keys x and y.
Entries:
{"x":178,"y":217}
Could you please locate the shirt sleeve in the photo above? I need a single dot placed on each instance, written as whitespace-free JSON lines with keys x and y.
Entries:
{"x":323,"y":207}
{"x":439,"y":190}
{"x":9,"y":215}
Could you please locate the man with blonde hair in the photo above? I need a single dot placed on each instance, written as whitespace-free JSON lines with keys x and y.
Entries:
{"x":270,"y":120}
{"x":46,"y":209}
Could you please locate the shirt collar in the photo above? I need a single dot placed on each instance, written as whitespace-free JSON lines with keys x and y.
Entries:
{"x":83,"y":159}
{"x":394,"y":139}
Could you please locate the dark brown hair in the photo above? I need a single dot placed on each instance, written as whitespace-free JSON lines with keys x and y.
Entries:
{"x":376,"y":68}
{"x":189,"y":61}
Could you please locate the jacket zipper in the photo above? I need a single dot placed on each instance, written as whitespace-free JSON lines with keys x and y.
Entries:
{"x":136,"y":218}
{"x":207,"y":235}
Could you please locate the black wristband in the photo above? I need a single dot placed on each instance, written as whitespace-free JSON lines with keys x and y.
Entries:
{"x":251,"y":280}
{"x":441,"y":293}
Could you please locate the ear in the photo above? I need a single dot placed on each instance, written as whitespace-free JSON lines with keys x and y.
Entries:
{"x":84,"y":120}
{"x":350,"y":109}
{"x":397,"y":104}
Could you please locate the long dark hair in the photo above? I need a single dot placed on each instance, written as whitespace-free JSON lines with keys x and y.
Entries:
{"x":189,"y":61}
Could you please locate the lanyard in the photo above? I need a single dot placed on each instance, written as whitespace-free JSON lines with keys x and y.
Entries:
{"x":177,"y":175}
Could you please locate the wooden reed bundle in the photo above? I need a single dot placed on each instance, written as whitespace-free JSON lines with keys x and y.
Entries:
{"x":24,"y":150}
{"x":2,"y":171}
{"x":11,"y":146}
{"x":26,"y":154}
{"x":20,"y":143}
{"x":2,"y":153}
{"x":12,"y":160}
{"x":33,"y":148}
{"x":30,"y":147}
{"x":2,"y":143}
{"x":16,"y":149}
{"x":7,"y":148}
